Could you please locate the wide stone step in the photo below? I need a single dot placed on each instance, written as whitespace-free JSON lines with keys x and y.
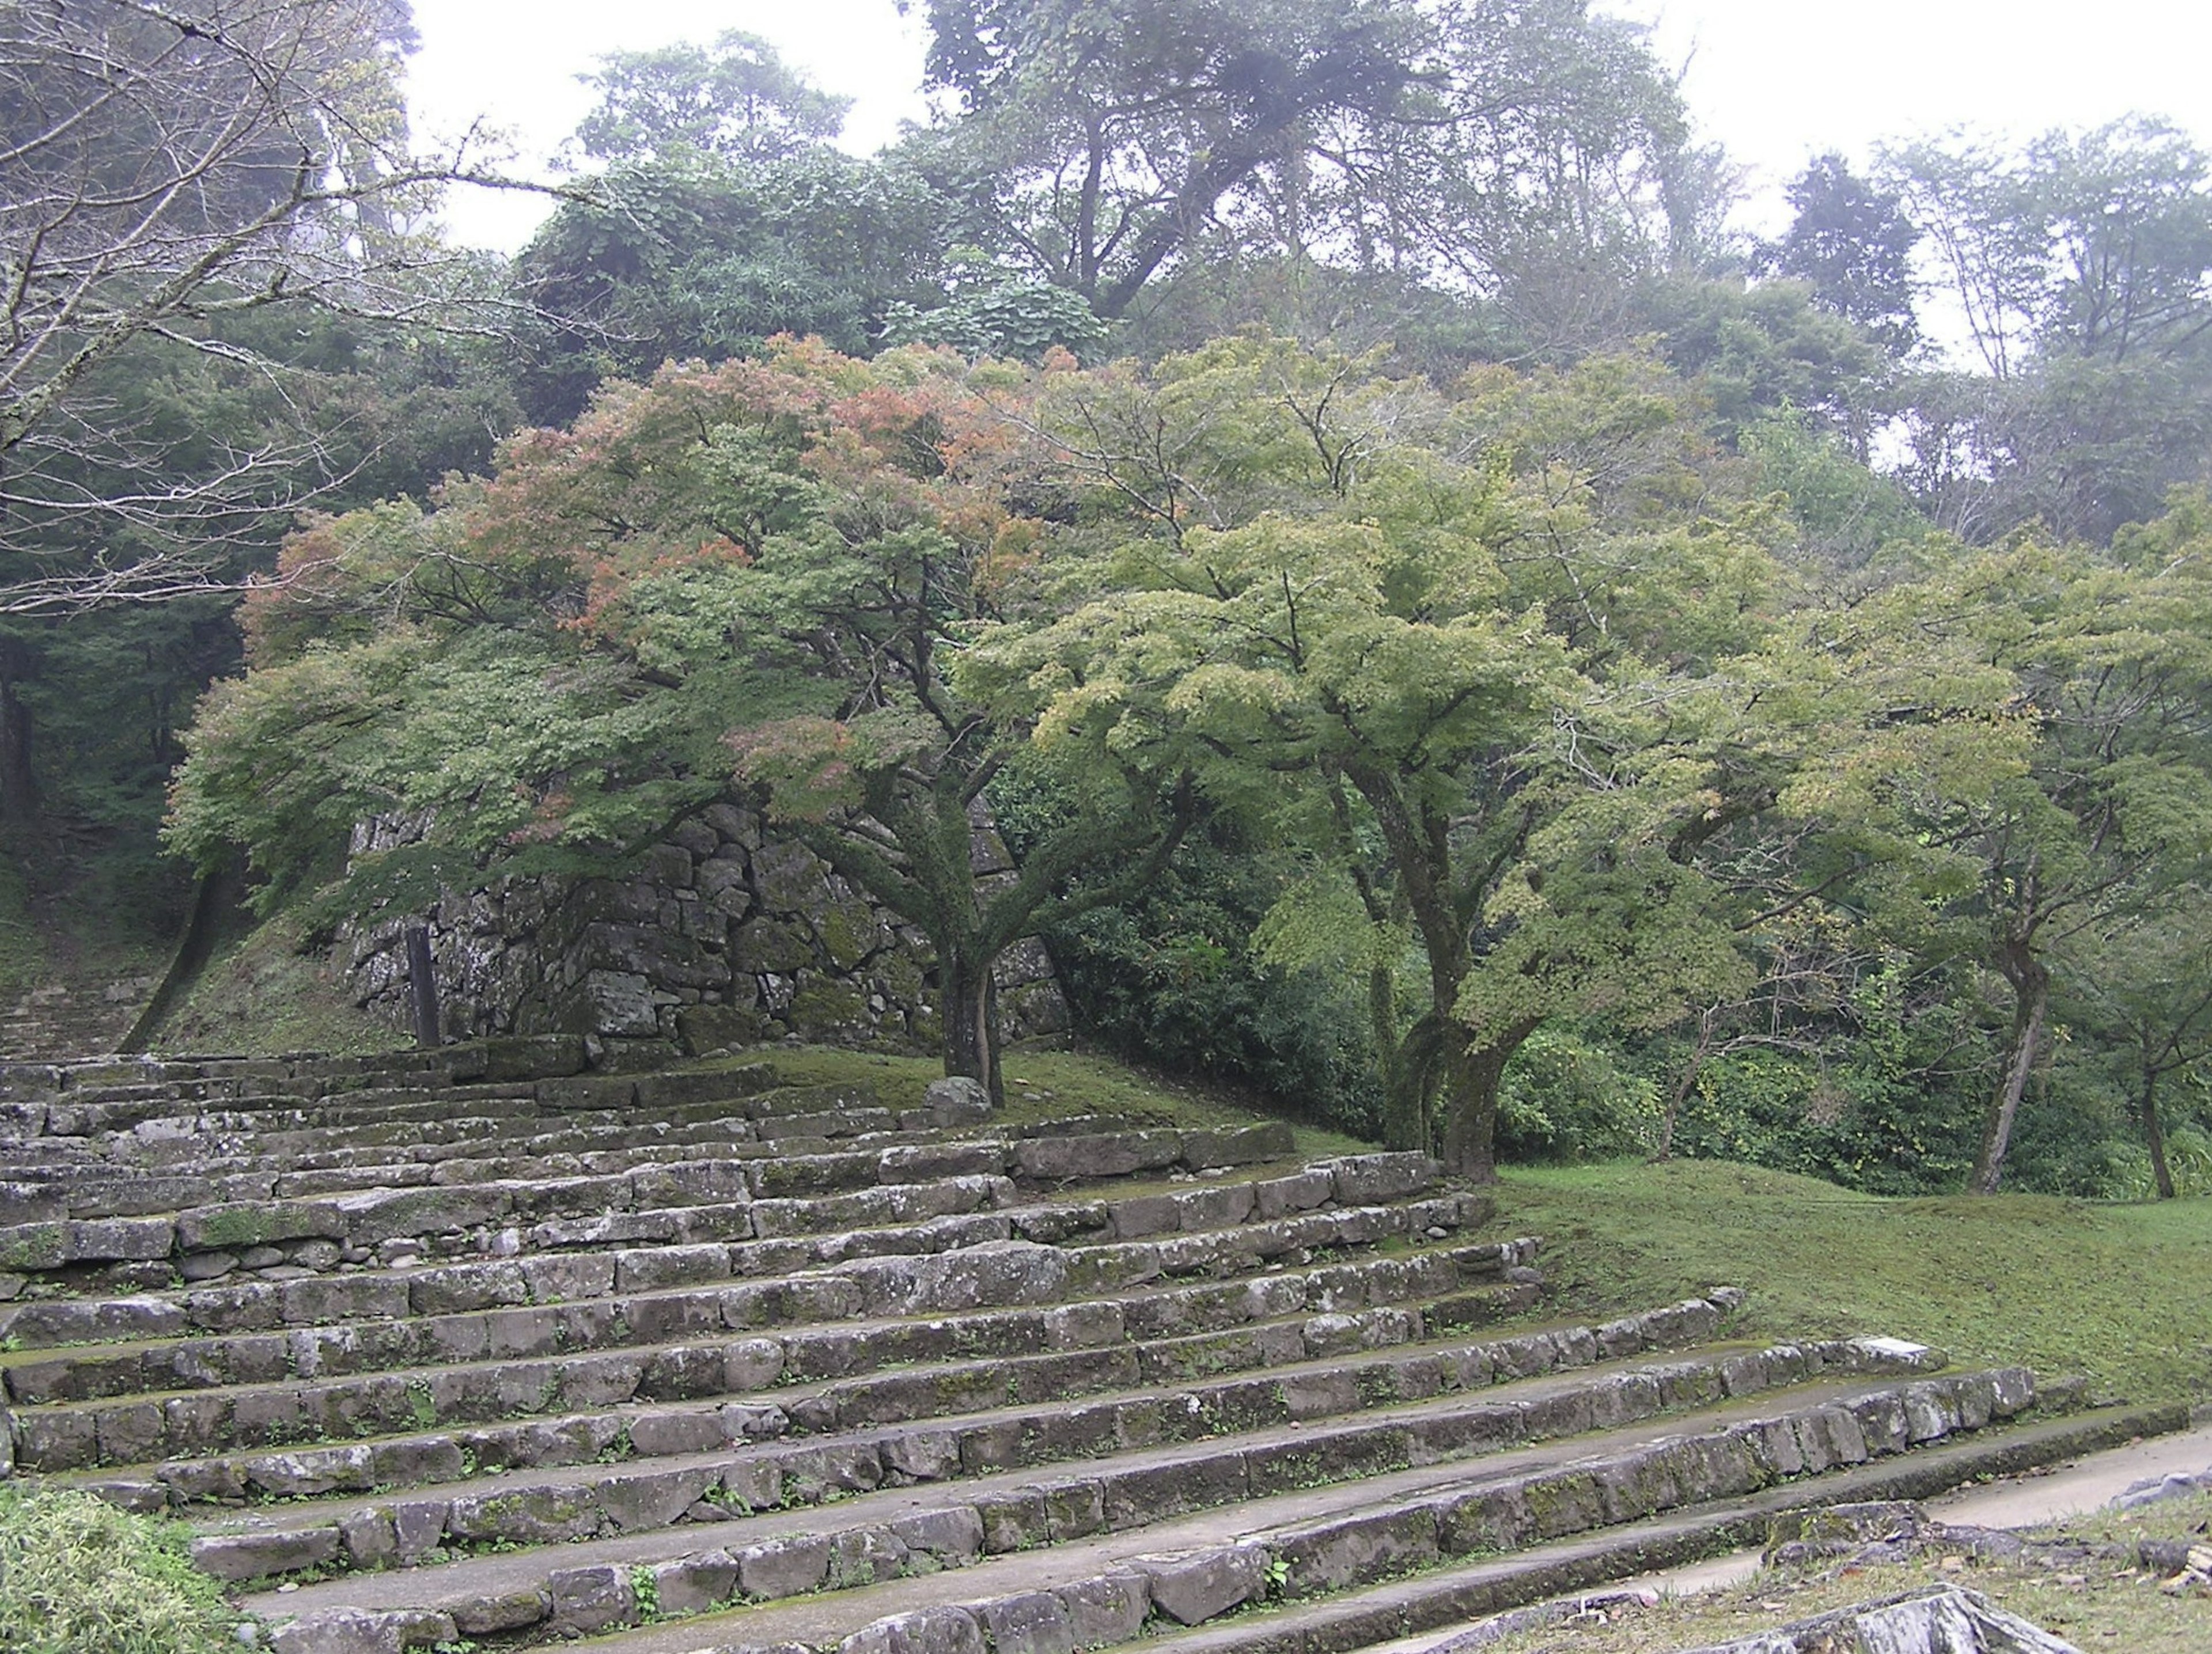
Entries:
{"x":372,"y":1217}
{"x":614,"y":1250}
{"x":255,"y":1400}
{"x":642,"y":1430}
{"x":1439,"y":1598}
{"x":1245,"y":1436}
{"x":1192,"y":1568}
{"x":365,"y":1323}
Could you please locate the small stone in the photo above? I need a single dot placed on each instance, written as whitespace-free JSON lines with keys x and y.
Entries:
{"x":260,"y":1257}
{"x":207,"y":1266}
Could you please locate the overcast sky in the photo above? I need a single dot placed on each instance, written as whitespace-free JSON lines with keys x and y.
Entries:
{"x":1775,"y":81}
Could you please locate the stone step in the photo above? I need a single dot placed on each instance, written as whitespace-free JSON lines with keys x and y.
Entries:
{"x":821,"y":1403}
{"x":1237,"y":1437}
{"x":256,"y":1400}
{"x":787,"y":1235}
{"x":405,"y":1318}
{"x":283,"y":1123}
{"x":1183,"y":1559}
{"x":373,"y":1216}
{"x":1442,"y":1597}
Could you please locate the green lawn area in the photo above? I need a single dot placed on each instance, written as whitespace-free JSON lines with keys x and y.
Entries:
{"x":2123,"y":1292}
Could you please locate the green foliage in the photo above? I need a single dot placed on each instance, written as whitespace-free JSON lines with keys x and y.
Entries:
{"x":1172,"y":978}
{"x":1019,"y":320}
{"x":736,"y":98}
{"x":1566,"y":1099}
{"x":78,"y":1576}
{"x":701,"y":255}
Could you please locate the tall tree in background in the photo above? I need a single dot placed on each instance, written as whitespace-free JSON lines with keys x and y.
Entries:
{"x":737,"y":99}
{"x":1852,"y":244}
{"x":1478,"y":141}
{"x":2081,"y":267}
{"x":167,"y":170}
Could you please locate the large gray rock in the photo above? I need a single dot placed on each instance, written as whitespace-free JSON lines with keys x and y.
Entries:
{"x":1948,"y":1620}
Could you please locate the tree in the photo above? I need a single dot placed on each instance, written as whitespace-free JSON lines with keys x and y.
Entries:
{"x":1852,"y":244}
{"x":737,"y":99}
{"x":165,"y":172}
{"x":1404,"y":633}
{"x":699,"y":255}
{"x":2145,"y":987}
{"x":760,"y":575}
{"x":1101,"y":145}
{"x":2082,"y":267}
{"x":2032,"y":771}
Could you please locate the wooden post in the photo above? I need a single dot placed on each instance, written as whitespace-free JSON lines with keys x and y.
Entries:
{"x":423,"y":986}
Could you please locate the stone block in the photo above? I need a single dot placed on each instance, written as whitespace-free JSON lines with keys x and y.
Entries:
{"x":865,"y":1556}
{"x":339,"y":1630}
{"x":790,"y":1565}
{"x":957,"y":1100}
{"x":119,"y":1239}
{"x":235,"y":1227}
{"x":515,"y":1610}
{"x":1192,"y":1590}
{"x":1373,"y":1179}
{"x":1032,"y":1622}
{"x":1355,"y":1550}
{"x":696,"y":1584}
{"x":585,"y":1600}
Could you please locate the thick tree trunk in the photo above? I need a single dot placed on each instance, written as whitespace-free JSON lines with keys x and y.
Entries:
{"x":972,"y":1007}
{"x":1405,"y":1098}
{"x":2031,"y":998}
{"x":2154,"y":1135}
{"x":1473,"y":1071}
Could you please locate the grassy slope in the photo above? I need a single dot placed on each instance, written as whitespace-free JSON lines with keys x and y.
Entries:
{"x":2121,"y":1293}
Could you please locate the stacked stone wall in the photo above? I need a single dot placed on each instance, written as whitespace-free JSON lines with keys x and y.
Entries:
{"x":723,"y":936}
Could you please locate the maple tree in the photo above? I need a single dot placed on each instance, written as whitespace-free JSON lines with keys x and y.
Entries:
{"x":756,"y":576}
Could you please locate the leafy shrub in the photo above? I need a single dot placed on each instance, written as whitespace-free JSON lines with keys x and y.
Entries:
{"x":1565,"y":1099}
{"x":1171,"y":980}
{"x":78,"y":1576}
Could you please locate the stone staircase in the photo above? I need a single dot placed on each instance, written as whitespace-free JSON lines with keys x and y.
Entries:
{"x":475,"y":1346}
{"x":70,"y":1016}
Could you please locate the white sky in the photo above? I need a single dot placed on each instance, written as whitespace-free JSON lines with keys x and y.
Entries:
{"x":1775,"y":81}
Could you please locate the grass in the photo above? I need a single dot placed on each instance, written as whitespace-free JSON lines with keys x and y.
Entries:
{"x":78,"y":1576}
{"x":1043,"y":1085}
{"x":2102,"y":1603}
{"x":262,"y":996}
{"x":2117,"y":1292}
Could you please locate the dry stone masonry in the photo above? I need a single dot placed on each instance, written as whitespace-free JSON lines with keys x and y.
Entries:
{"x":482,"y":1346}
{"x":721,"y":937}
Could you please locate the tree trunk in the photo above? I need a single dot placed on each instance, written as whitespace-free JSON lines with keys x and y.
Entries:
{"x":2031,"y":998}
{"x":1404,"y":1071}
{"x":1472,"y":1072}
{"x":2154,"y":1136}
{"x":971,"y":1008}
{"x":1695,"y":1065}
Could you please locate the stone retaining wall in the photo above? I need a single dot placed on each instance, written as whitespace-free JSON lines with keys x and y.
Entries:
{"x":722,"y":936}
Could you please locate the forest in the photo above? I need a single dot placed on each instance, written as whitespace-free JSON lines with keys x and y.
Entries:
{"x":1463,"y":643}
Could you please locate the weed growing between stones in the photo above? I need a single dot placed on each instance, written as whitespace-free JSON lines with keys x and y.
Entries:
{"x":78,"y":1576}
{"x":647,"y":1589}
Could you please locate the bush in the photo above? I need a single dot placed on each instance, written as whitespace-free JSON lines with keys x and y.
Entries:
{"x":1171,"y":981}
{"x":1565,"y":1101}
{"x":78,"y":1576}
